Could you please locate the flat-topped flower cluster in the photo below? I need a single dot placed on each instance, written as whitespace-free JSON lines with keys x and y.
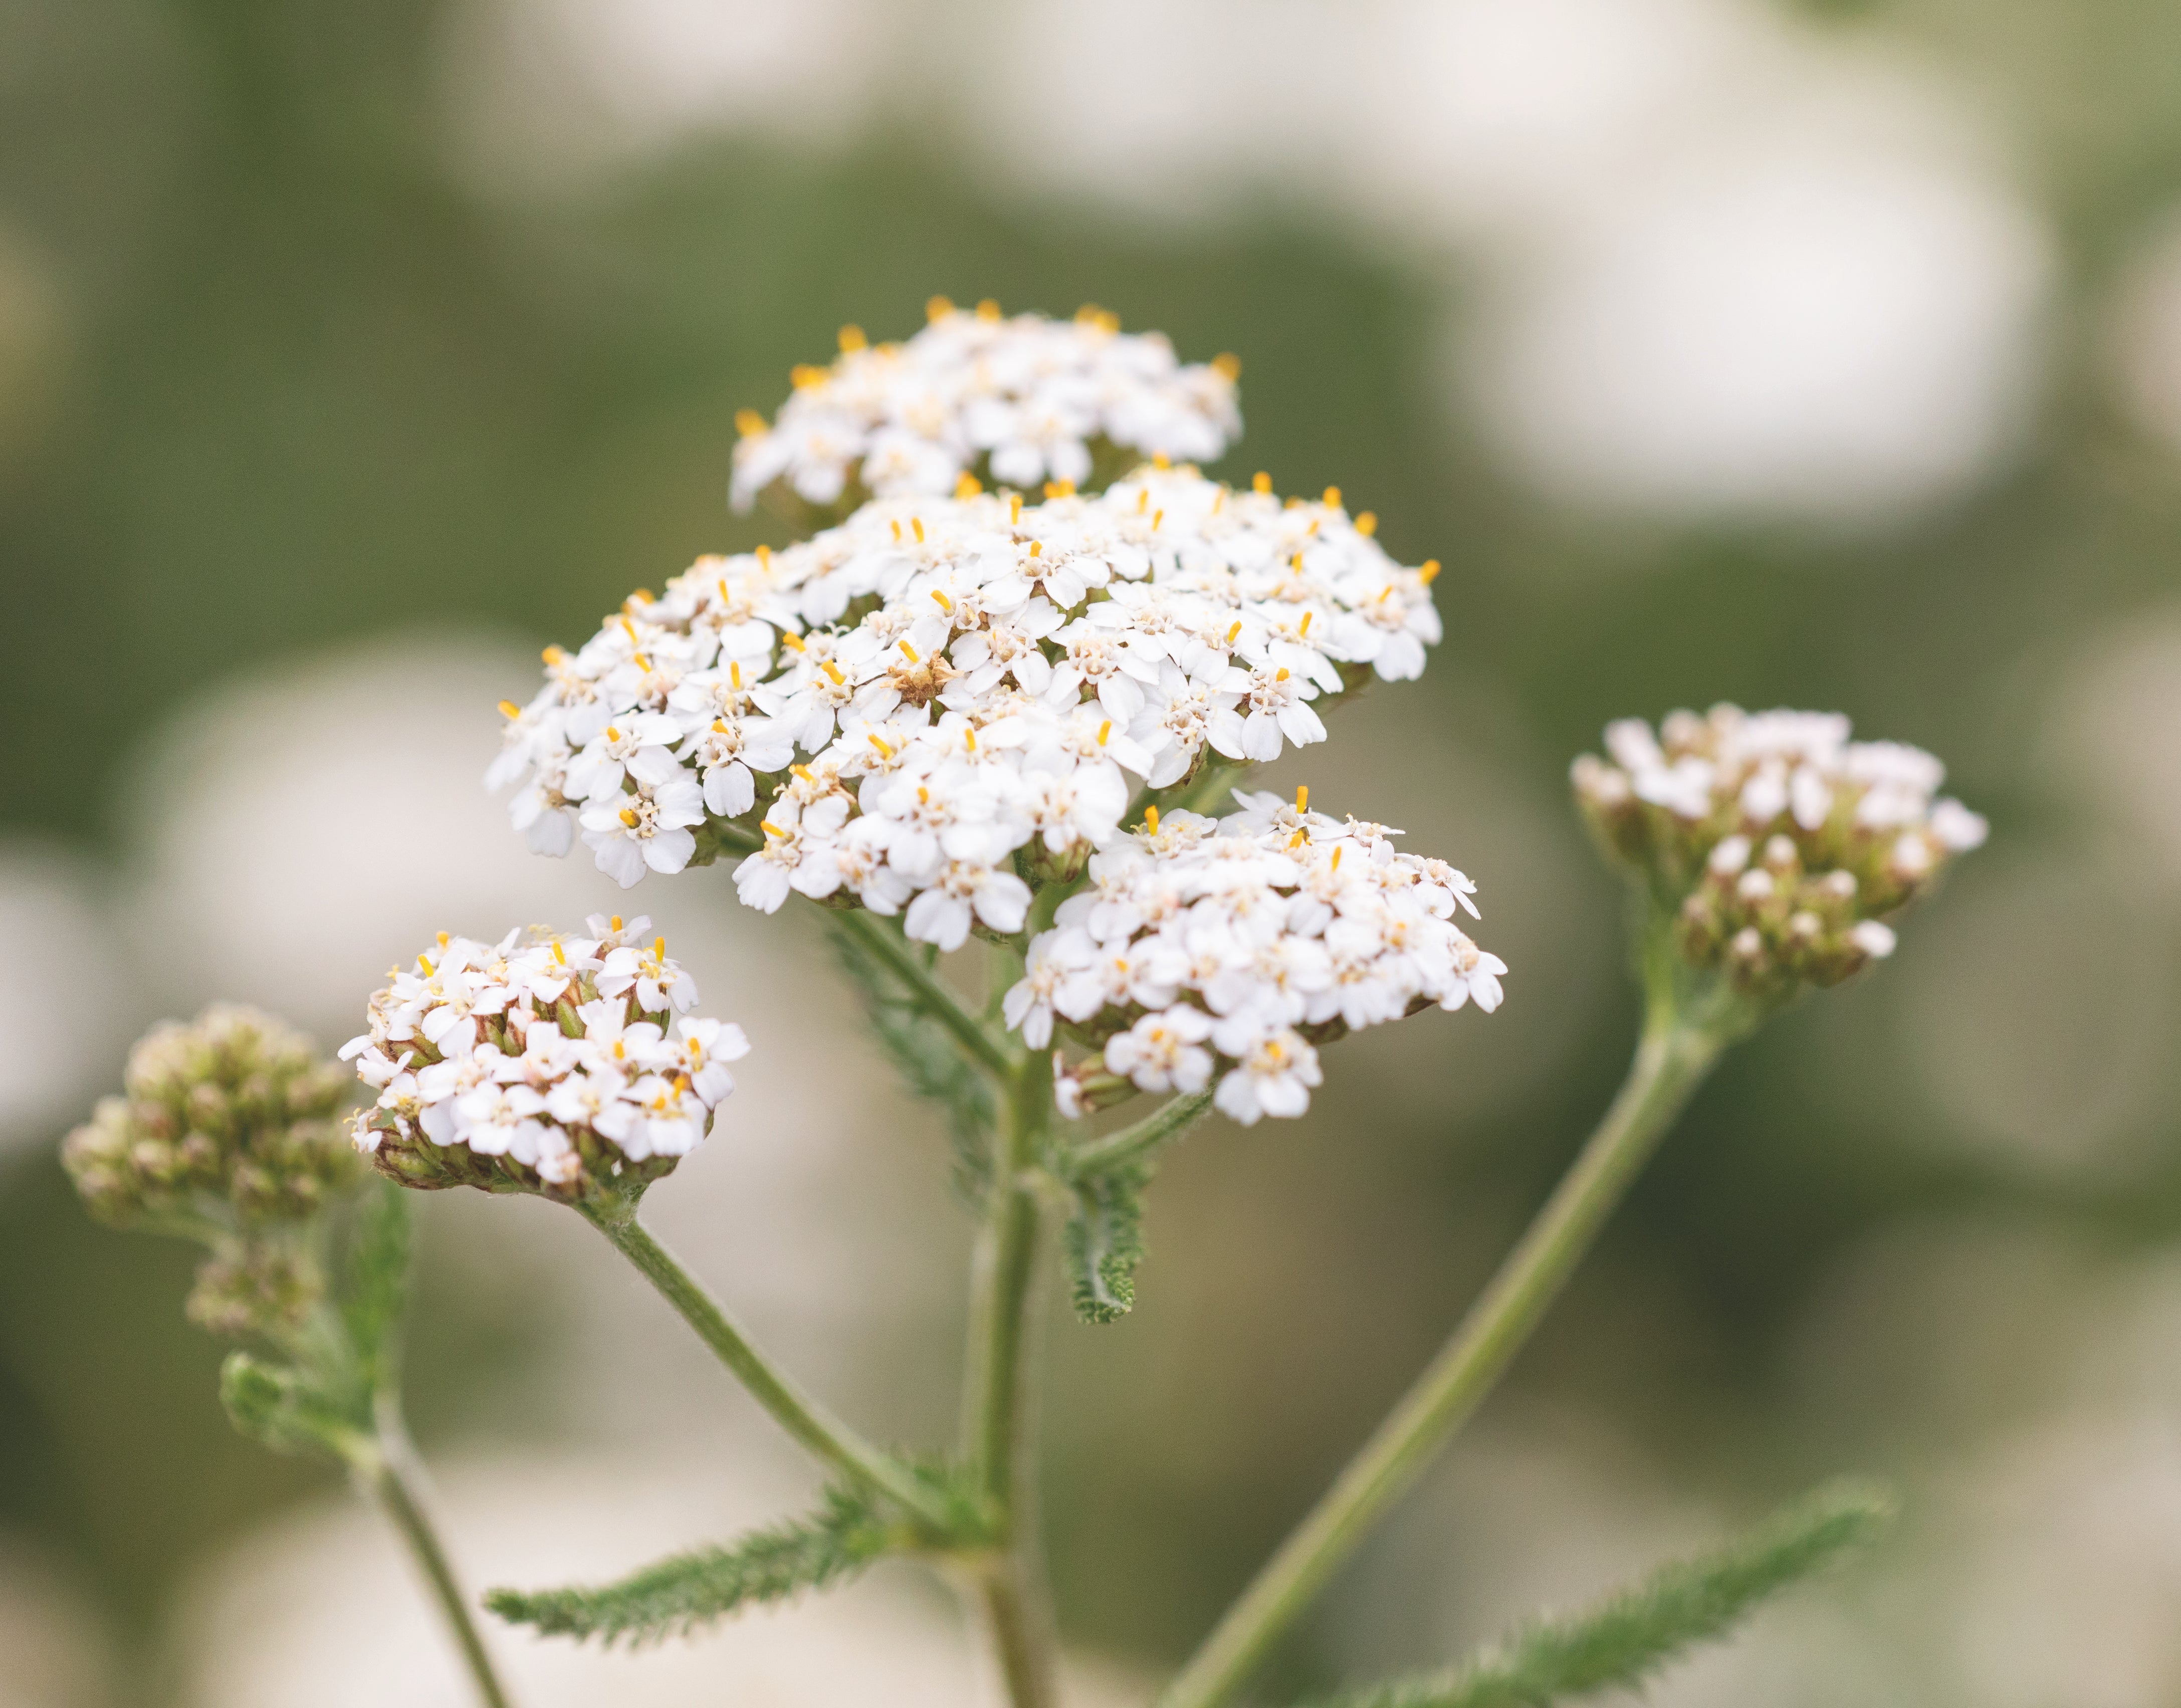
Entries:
{"x":1235,"y":946}
{"x":1782,"y":843}
{"x":541,"y":1063}
{"x":1025,"y":399}
{"x":967,"y":678}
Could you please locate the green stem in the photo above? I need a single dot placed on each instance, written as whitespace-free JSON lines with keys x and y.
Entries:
{"x":387,"y":1464}
{"x":1671,"y":1061}
{"x":1165,"y":1124}
{"x":826,"y":1437}
{"x":997,"y":1414}
{"x":901,"y":960}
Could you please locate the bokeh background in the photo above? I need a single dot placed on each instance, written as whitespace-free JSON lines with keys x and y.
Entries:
{"x":1824,"y":354}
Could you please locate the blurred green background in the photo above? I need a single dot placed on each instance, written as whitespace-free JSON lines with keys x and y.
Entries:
{"x":348,"y":354}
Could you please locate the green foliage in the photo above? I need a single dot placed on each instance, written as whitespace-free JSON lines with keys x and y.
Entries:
{"x":928,"y":1061}
{"x":377,"y":1290}
{"x":283,"y":1407}
{"x":1625,"y":1640}
{"x":679,"y":1594}
{"x":1104,"y":1241}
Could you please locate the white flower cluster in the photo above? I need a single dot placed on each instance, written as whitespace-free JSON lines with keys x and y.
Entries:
{"x":540,"y":1061}
{"x":967,"y":678}
{"x":1783,"y":842}
{"x":1030,"y":397}
{"x":1234,"y":946}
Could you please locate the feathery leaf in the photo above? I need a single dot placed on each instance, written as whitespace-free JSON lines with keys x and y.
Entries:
{"x":377,"y":1290}
{"x":1626,"y":1639}
{"x":678,"y":1595}
{"x":1105,"y":1241}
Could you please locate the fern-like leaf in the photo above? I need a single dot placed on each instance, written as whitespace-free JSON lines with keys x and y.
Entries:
{"x":928,"y":1062}
{"x":678,"y":1595}
{"x":1105,"y":1241}
{"x":377,"y":1291}
{"x":1625,"y":1640}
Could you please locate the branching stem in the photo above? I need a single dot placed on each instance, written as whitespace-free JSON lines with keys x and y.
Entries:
{"x":1165,"y":1124}
{"x":890,"y":947}
{"x":1671,"y":1060}
{"x":825,"y":1436}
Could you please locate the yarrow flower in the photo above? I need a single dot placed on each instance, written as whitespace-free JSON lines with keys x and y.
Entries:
{"x":570,"y":1066}
{"x":227,"y":1133}
{"x":1025,"y":399}
{"x":1234,"y":948}
{"x":1782,"y":846}
{"x":973,"y":683}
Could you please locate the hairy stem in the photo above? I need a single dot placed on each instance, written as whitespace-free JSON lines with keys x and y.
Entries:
{"x":1165,"y":1124}
{"x":996,"y":1417}
{"x":1671,"y":1060}
{"x":387,"y":1466}
{"x":825,"y":1436}
{"x":888,"y":946}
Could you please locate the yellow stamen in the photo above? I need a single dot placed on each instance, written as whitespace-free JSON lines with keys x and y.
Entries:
{"x":1302,"y":797}
{"x":937,"y":307}
{"x":895,"y":526}
{"x":631,"y":629}
{"x":725,"y":598}
{"x":1367,"y":524}
{"x":1157,"y":517}
{"x":765,"y":558}
{"x":659,"y":948}
{"x":642,"y":593}
{"x":1014,"y":508}
{"x":1105,"y":729}
{"x":1333,"y":498}
{"x":1281,"y":674}
{"x":967,"y":485}
{"x":970,"y":737}
{"x":720,"y":724}
{"x":946,"y":604}
{"x":852,"y":339}
{"x":1298,"y":839}
{"x":916,"y":523}
{"x":1305,"y":629}
{"x":1227,"y":365}
{"x":1233,"y":628}
{"x":1429,"y":572}
{"x":988,"y":310}
{"x":1260,"y":481}
{"x":443,"y":941}
{"x":1294,"y":563}
{"x":1037,"y":548}
{"x":430,"y":971}
{"x":552,"y":654}
{"x":560,"y":955}
{"x":1060,"y":488}
{"x":770,"y":828}
{"x":612,"y":732}
{"x":615,"y":922}
{"x":909,"y":652}
{"x":1143,"y":500}
{"x":794,"y":643}
{"x":628,"y":816}
{"x":681,"y":1082}
{"x":508,"y":708}
{"x":803,"y":376}
{"x":883,"y":749}
{"x":922,"y":796}
{"x":804,"y":772}
{"x":1161,"y":460}
{"x":1151,"y":821}
{"x":750,"y":424}
{"x":1337,"y":848}
{"x":735,"y":675}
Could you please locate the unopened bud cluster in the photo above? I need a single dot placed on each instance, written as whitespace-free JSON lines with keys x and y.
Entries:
{"x":1783,"y":846}
{"x":1235,"y":947}
{"x":565,"y":1065}
{"x":227,"y":1132}
{"x":1025,"y":398}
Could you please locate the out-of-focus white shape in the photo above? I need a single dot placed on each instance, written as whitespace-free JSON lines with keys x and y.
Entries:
{"x":2059,"y":1069}
{"x":2065,"y":1589}
{"x":2145,"y":349}
{"x":66,"y":1009}
{"x":51,"y":1647}
{"x":546,"y":94}
{"x":322,"y":1607}
{"x":2116,"y":729}
{"x":1819,"y":308}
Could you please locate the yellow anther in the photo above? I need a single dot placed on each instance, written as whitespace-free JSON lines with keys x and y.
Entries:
{"x":1060,"y":488}
{"x":643,"y":594}
{"x":1305,"y":627}
{"x":628,"y":816}
{"x":909,"y":652}
{"x":946,"y":604}
{"x":1233,"y":628}
{"x":1157,"y":517}
{"x":1367,"y":524}
{"x":1260,"y":481}
{"x":916,"y":523}
{"x":764,"y":555}
{"x":734,"y":674}
{"x":1385,"y":593}
{"x":630,"y":628}
{"x":1298,"y":839}
{"x":641,"y":662}
{"x":1037,"y":548}
{"x":970,"y":737}
{"x":615,"y":922}
{"x":967,"y":485}
{"x":1161,"y":460}
{"x":1337,"y":848}
{"x":1302,"y":797}
{"x":1143,"y":500}
{"x":937,"y":307}
{"x":552,"y":654}
{"x":793,"y":641}
{"x":1333,"y":498}
{"x":804,"y":772}
{"x":1151,"y":821}
{"x":1105,"y":729}
{"x":895,"y":526}
{"x":1311,"y":529}
{"x":750,"y":424}
{"x":922,"y":796}
{"x":508,"y":708}
{"x":1294,"y":563}
{"x":988,"y":310}
{"x":1088,"y":314}
{"x":1014,"y":507}
{"x":1429,"y":572}
{"x":770,"y":828}
{"x":1227,"y":365}
{"x":560,"y":956}
{"x":430,"y":970}
{"x":803,"y":376}
{"x":1281,"y":674}
{"x":659,"y":948}
{"x":852,"y":339}
{"x":725,"y":598}
{"x":720,"y":725}
{"x":613,"y":732}
{"x":443,"y":941}
{"x":885,"y":751}
{"x":681,"y":1082}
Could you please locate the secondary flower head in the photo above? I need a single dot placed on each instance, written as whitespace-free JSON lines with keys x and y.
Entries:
{"x":1024,"y":399}
{"x":227,"y":1133}
{"x":1782,"y":847}
{"x":915,"y":710}
{"x":567,"y":1065}
{"x":1233,"y":948}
